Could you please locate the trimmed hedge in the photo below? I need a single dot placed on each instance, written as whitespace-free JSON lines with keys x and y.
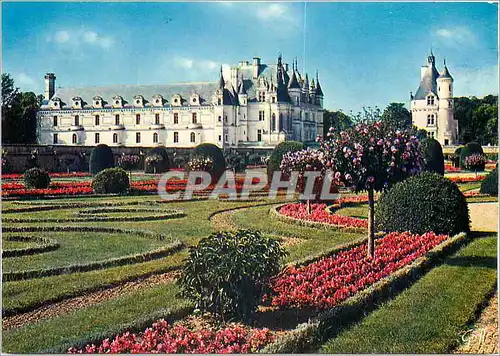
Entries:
{"x":162,"y":166}
{"x":45,"y":246}
{"x":306,"y":337}
{"x":490,"y":184}
{"x":423,"y":203}
{"x":432,"y":154}
{"x":101,"y":158}
{"x":111,"y":180}
{"x":112,"y":262}
{"x":209,"y":150}
{"x":36,"y":178}
{"x":470,"y":149}
{"x":277,"y":155}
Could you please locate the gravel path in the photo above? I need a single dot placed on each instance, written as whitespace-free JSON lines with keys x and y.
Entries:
{"x":482,"y":338}
{"x":484,"y":216}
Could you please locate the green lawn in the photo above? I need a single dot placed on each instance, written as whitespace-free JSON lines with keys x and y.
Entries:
{"x":428,"y":317}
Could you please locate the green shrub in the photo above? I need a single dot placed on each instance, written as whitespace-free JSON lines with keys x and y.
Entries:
{"x":111,"y":180}
{"x":275,"y":160}
{"x":470,"y":149}
{"x":490,"y":184}
{"x":456,"y":157}
{"x":209,"y":152}
{"x":36,"y":178}
{"x":423,"y":203}
{"x":158,"y":165}
{"x":101,"y":158}
{"x":432,"y":154}
{"x":226,"y":273}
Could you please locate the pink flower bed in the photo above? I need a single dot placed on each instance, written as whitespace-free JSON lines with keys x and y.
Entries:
{"x":319,"y":214}
{"x":328,"y":282}
{"x":164,"y":338}
{"x":451,"y":168}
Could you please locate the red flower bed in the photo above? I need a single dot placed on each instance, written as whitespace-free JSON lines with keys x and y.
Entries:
{"x":451,"y":168}
{"x":328,"y":282}
{"x":52,"y":175}
{"x":163,"y":338}
{"x":319,"y":214}
{"x":467,"y":179}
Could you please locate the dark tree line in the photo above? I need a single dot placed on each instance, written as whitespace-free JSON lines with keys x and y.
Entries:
{"x":477,"y":119}
{"x":18,"y":113}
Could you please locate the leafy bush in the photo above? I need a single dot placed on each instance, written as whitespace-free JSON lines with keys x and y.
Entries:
{"x":423,"y":203}
{"x":225,"y":274}
{"x":432,"y":154}
{"x":101,"y":158}
{"x":128,"y":162}
{"x":470,"y":149}
{"x":159,"y":162}
{"x":490,"y":184}
{"x":236,"y":162}
{"x":179,"y":162}
{"x":36,"y":178}
{"x":208,"y":151}
{"x":111,"y":180}
{"x":277,"y":156}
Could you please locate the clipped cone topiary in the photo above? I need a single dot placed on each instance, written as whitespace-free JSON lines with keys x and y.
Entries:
{"x":101,"y":158}
{"x":432,"y":154}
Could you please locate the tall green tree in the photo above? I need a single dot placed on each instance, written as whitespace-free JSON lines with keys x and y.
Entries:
{"x":336,"y":119}
{"x":18,"y":113}
{"x":396,"y":115}
{"x":477,"y":119}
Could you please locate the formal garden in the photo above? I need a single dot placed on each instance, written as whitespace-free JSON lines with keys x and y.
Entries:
{"x":403,"y":260}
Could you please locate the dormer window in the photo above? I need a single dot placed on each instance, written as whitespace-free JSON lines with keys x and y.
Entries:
{"x":176,"y":100}
{"x":55,"y":103}
{"x":97,"y":102}
{"x":77,"y":102}
{"x":158,"y":100}
{"x":195,"y":99}
{"x":117,"y":101}
{"x":138,"y":100}
{"x":430,"y":100}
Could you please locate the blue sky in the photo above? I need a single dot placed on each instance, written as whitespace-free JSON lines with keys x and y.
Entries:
{"x":367,"y":54}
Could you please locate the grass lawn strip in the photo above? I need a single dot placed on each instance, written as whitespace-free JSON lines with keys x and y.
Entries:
{"x":428,"y":317}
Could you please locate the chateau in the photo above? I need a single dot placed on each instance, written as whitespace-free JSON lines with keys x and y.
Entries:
{"x":432,"y":105}
{"x":259,"y":105}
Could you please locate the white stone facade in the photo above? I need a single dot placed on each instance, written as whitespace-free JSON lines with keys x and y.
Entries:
{"x":259,"y":106}
{"x":432,"y":105}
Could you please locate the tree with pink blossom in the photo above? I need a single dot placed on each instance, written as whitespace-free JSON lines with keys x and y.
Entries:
{"x":371,"y":157}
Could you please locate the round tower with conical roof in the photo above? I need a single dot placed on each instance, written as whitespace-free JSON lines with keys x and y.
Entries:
{"x":448,"y":126}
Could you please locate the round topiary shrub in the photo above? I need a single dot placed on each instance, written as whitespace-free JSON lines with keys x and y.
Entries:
{"x":490,"y":184}
{"x":111,"y":180}
{"x":209,"y":158}
{"x":101,"y":158}
{"x":470,"y":149}
{"x":157,"y":161}
{"x":275,"y":160}
{"x":432,"y":154}
{"x":36,"y":178}
{"x":423,"y":203}
{"x":226,"y":273}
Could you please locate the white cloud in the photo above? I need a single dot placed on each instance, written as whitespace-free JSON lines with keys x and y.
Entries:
{"x":476,"y":81}
{"x":273,"y":11}
{"x":200,"y":69}
{"x":61,"y":37}
{"x":25,"y":80}
{"x":456,"y":36}
{"x":90,"y":37}
{"x":183,"y":62}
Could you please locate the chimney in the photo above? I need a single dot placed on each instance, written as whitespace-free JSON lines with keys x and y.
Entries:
{"x":50,"y":85}
{"x":256,"y":67}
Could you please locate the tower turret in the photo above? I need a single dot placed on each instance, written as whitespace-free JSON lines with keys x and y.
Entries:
{"x":50,"y":86}
{"x":319,"y":92}
{"x":448,"y":127}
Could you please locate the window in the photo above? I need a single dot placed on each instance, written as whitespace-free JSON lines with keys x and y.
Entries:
{"x":54,"y":122}
{"x":446,"y":142}
{"x":261,"y":115}
{"x":194,"y":120}
{"x":220,"y":119}
{"x":54,"y":139}
{"x":220,"y":138}
{"x":430,"y":134}
{"x":77,"y":120}
{"x":96,"y":138}
{"x":137,"y":119}
{"x":157,"y":119}
{"x":430,"y":120}
{"x":97,"y":120}
{"x":280,"y":123}
{"x":430,"y":100}
{"x":155,"y":138}
{"x":226,"y":138}
{"x":449,"y":87}
{"x":273,"y":122}
{"x":273,"y":99}
{"x":74,"y":139}
{"x":176,"y":137}
{"x":219,"y":101}
{"x":259,"y":135}
{"x":137,"y":137}
{"x":176,"y":118}
{"x":115,"y":138}
{"x":193,"y":137}
{"x":450,"y":104}
{"x":117,"y":119}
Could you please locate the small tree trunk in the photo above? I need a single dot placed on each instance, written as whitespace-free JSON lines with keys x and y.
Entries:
{"x":308,"y":207}
{"x":371,"y":224}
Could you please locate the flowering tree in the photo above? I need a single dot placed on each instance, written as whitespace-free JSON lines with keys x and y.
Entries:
{"x":128,"y":162}
{"x":475,"y":162}
{"x":371,"y":157}
{"x":154,"y":160}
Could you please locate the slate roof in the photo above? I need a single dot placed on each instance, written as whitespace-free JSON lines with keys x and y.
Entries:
{"x":428,"y":83}
{"x":445,"y":73}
